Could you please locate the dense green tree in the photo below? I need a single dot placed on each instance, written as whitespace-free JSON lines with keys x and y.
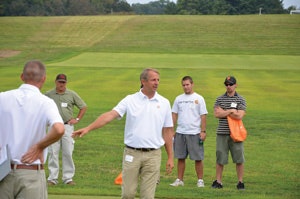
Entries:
{"x":220,"y":7}
{"x":80,"y":7}
{"x":16,"y":8}
{"x":61,"y":7}
{"x":189,"y":7}
{"x":231,"y":7}
{"x":95,"y":7}
{"x":272,"y":7}
{"x":205,"y":6}
{"x":155,"y":7}
{"x":170,"y":8}
{"x":121,"y":6}
{"x":54,"y":8}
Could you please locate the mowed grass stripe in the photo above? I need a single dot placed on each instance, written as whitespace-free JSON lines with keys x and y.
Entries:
{"x":158,"y":60}
{"x":104,"y":55}
{"x":58,"y":38}
{"x":247,"y":34}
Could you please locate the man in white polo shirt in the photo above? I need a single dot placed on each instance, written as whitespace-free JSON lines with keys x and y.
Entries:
{"x":148,"y":127}
{"x":25,"y":115}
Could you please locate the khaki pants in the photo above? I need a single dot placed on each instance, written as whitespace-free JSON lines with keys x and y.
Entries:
{"x":24,"y":184}
{"x":140,"y":166}
{"x":66,"y":144}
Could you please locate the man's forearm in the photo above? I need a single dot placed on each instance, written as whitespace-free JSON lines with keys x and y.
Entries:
{"x":56,"y":132}
{"x":168,"y":134}
{"x":221,"y":113}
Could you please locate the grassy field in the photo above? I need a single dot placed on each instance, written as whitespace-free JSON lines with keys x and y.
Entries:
{"x":104,"y":55}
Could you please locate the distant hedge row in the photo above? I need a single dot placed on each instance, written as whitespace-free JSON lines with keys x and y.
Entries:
{"x":102,"y":7}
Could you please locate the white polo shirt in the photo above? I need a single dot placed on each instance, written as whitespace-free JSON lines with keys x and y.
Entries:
{"x":189,"y":109}
{"x":145,"y":119}
{"x":25,"y":114}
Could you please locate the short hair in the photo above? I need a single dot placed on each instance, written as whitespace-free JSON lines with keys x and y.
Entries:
{"x":145,"y":72}
{"x":34,"y":71}
{"x":187,"y":78}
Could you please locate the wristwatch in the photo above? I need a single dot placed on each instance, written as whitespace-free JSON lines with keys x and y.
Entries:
{"x":77,"y":119}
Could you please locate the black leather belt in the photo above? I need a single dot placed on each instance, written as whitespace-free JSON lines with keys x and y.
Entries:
{"x":66,"y":122}
{"x":141,"y":149}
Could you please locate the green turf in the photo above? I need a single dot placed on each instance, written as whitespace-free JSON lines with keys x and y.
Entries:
{"x":103,"y":57}
{"x":159,"y":60}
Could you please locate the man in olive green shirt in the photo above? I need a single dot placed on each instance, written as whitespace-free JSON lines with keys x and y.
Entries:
{"x":65,"y":100}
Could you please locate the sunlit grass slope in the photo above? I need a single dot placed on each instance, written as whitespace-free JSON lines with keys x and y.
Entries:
{"x":56,"y":38}
{"x":104,"y":55}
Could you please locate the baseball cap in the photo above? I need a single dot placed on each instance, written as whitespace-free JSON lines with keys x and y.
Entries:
{"x":61,"y":78}
{"x":230,"y":80}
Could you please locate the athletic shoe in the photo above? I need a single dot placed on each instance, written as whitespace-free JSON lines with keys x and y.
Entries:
{"x":240,"y":186}
{"x":200,"y":183}
{"x":216,"y":185}
{"x":51,"y":183}
{"x":71,"y":183}
{"x":177,"y":183}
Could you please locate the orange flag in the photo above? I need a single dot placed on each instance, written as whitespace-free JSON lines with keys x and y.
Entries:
{"x":118,"y":179}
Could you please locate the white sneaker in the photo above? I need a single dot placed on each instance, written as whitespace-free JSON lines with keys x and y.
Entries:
{"x":200,"y":183}
{"x":177,"y":183}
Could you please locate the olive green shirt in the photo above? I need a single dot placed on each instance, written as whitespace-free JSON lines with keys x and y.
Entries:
{"x":66,"y":102}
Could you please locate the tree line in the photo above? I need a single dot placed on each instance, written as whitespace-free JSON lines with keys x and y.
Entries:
{"x":105,"y":7}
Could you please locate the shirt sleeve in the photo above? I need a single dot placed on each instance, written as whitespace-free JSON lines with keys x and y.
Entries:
{"x":168,"y":120}
{"x":121,"y":107}
{"x":203,"y":109}
{"x":79,"y":103}
{"x":52,"y":112}
{"x":175,"y":106}
{"x":242,"y":105}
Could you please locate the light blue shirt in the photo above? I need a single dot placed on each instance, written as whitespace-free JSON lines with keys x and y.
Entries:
{"x":145,"y":119}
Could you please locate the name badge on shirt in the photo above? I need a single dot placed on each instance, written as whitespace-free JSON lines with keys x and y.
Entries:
{"x":128,"y":158}
{"x":233,"y":105}
{"x":64,"y":104}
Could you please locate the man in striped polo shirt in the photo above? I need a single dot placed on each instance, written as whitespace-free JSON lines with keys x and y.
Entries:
{"x":233,"y":104}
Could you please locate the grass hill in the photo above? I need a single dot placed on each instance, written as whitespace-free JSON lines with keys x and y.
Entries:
{"x":104,"y":55}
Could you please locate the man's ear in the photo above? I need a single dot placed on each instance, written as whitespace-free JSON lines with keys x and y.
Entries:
{"x":22,"y":77}
{"x":44,"y":78}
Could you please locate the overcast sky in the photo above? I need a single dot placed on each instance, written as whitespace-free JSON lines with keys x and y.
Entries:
{"x":286,"y":3}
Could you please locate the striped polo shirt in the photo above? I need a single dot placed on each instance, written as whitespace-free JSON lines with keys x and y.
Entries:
{"x":225,"y":102}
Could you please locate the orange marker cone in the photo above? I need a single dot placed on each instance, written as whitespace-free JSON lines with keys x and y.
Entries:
{"x":118,"y":179}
